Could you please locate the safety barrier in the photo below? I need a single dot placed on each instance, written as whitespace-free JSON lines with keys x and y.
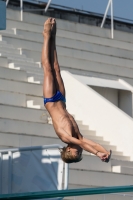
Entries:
{"x":67,"y":193}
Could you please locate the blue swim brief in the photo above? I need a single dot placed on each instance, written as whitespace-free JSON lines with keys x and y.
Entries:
{"x":57,"y":97}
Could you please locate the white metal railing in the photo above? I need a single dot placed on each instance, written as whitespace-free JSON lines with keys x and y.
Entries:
{"x":110,"y":4}
{"x":21,"y":7}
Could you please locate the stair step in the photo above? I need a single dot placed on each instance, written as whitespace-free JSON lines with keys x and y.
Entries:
{"x":25,"y":64}
{"x":27,"y":114}
{"x":9,"y":49}
{"x":123,"y":170}
{"x":11,"y":98}
{"x":122,"y":163}
{"x":118,"y":157}
{"x":7,"y":31}
{"x":11,"y":52}
{"x":3,"y":61}
{"x":12,"y":74}
{"x":26,"y":68}
{"x":21,"y":87}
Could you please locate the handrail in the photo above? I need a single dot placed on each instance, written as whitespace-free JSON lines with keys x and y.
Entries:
{"x":67,"y":193}
{"x":110,"y":4}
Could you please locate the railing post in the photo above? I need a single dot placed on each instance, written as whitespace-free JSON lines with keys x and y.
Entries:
{"x":112,"y":20}
{"x":66,"y":176}
{"x":110,"y":3}
{"x":1,"y":173}
{"x":21,"y":10}
{"x":10,"y":173}
{"x":48,"y":4}
{"x":7,"y":2}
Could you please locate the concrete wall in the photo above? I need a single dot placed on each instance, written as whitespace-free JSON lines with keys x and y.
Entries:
{"x":110,"y":94}
{"x":110,"y":122}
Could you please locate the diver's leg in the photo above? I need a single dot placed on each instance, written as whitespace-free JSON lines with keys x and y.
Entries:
{"x":49,"y":88}
{"x":54,"y":60}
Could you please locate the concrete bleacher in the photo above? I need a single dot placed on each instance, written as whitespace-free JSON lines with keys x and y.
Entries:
{"x":24,"y":121}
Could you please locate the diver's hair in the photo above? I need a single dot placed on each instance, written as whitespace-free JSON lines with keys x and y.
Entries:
{"x":67,"y":157}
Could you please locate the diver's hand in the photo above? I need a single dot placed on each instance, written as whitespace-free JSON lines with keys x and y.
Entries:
{"x":102,"y":156}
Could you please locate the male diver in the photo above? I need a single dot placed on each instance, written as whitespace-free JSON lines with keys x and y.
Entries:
{"x":54,"y":100}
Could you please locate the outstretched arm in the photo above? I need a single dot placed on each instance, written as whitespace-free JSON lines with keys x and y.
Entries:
{"x":83,"y":144}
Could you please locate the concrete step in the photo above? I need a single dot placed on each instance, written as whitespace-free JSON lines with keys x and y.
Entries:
{"x":99,"y":179}
{"x":24,"y":64}
{"x":122,"y":163}
{"x":9,"y":49}
{"x":37,"y":20}
{"x":78,"y":54}
{"x":91,"y":163}
{"x":17,"y":57}
{"x":28,"y":68}
{"x":10,"y":53}
{"x":123,"y":170}
{"x":94,"y":66}
{"x":86,"y":133}
{"x":3,"y":42}
{"x":11,"y":74}
{"x":97,"y":140}
{"x":27,"y":128}
{"x":84,"y":36}
{"x":31,"y":128}
{"x":90,"y":56}
{"x":21,"y":87}
{"x":36,"y":100}
{"x":115,"y":153}
{"x":11,"y":98}
{"x":7,"y":31}
{"x":5,"y":45}
{"x":21,"y":140}
{"x":27,"y":114}
{"x":3,"y":62}
{"x":119,"y":157}
{"x":37,"y":75}
{"x":83,"y":127}
{"x":110,"y":147}
{"x":74,"y":41}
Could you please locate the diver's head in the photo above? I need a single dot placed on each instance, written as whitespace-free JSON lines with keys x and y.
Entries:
{"x":71,"y":153}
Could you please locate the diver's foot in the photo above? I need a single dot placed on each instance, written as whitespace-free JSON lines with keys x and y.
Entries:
{"x":47,"y":28}
{"x":53,"y":28}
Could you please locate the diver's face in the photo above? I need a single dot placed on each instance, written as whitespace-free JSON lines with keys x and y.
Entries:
{"x":75,"y":150}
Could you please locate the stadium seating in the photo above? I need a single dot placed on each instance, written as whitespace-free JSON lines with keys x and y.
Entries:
{"x":81,"y":49}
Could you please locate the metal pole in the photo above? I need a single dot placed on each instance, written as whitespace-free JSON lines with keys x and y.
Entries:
{"x":0,"y":173}
{"x":21,"y":10}
{"x":7,"y":2}
{"x":10,"y":173}
{"x":66,"y":176}
{"x":105,"y":13}
{"x":112,"y":21}
{"x":48,"y":4}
